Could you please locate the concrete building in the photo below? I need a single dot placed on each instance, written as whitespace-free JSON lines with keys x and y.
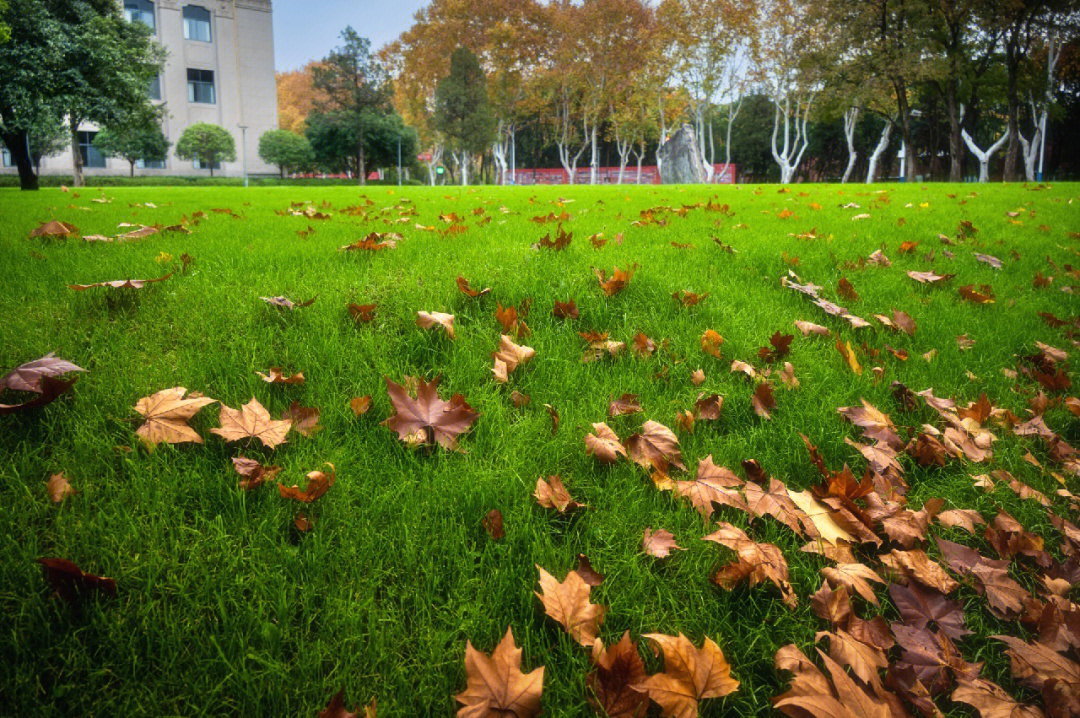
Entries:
{"x":219,"y":69}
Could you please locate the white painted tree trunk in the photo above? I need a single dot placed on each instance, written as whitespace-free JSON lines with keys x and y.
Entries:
{"x":461,"y":159}
{"x":795,"y":136}
{"x":499,"y":150}
{"x":1030,"y":150}
{"x":879,"y":149}
{"x":594,"y":157}
{"x":851,"y":117}
{"x":562,"y":143}
{"x":984,"y":157}
{"x":436,"y":158}
{"x":732,"y":114}
{"x":662,"y":138}
{"x":639,"y":156}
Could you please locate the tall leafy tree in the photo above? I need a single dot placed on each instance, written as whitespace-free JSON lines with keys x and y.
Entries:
{"x":462,"y":111}
{"x":355,"y":87}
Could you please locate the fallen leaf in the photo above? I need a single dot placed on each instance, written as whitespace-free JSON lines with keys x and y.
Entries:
{"x":277,"y":377}
{"x":55,"y":228}
{"x":167,"y":413}
{"x":495,"y":685}
{"x":252,"y":473}
{"x":119,"y":283}
{"x":568,"y":603}
{"x":808,"y":328}
{"x":318,"y":483}
{"x":565,"y":310}
{"x":360,"y":404}
{"x":552,"y":494}
{"x":711,"y":342}
{"x":70,"y":583}
{"x":428,"y":419}
{"x":463,"y":286}
{"x":252,"y":421}
{"x":762,"y":400}
{"x":493,"y":522}
{"x":426,"y":320}
{"x":59,"y":488}
{"x":616,"y":671}
{"x":286,"y":303}
{"x":655,"y":446}
{"x":757,"y":562}
{"x":625,"y":404}
{"x":659,"y":543}
{"x":690,"y":675}
{"x":305,"y":419}
{"x":362,"y":312}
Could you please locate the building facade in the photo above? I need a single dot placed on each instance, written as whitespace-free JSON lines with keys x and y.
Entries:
{"x":219,"y":69}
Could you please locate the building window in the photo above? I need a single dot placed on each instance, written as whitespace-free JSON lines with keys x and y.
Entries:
{"x":151,"y":165}
{"x":200,"y":86}
{"x":5,"y":158}
{"x":155,"y":88}
{"x":90,"y":155}
{"x":196,"y":23}
{"x":200,"y":165}
{"x":140,"y":11}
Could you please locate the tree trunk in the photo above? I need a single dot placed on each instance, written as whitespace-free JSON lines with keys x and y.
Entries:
{"x":851,"y":118}
{"x":362,"y":170}
{"x":594,"y":158}
{"x":904,"y":112}
{"x":131,"y":167}
{"x":211,"y":168}
{"x":956,"y":147}
{"x":879,"y":149}
{"x":984,"y":157}
{"x":16,"y":144}
{"x":282,"y":168}
{"x":1013,"y":97}
{"x":77,"y":179}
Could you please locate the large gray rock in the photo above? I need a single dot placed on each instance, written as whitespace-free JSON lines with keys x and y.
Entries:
{"x":680,"y":159}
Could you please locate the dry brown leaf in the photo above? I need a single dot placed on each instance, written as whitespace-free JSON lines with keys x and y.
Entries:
{"x":252,"y":421}
{"x":711,"y":342}
{"x":360,"y":405}
{"x":656,"y":446}
{"x":252,"y":473}
{"x":617,"y":670}
{"x":690,"y":675}
{"x":856,"y":577}
{"x":426,"y":320}
{"x":568,"y":603}
{"x":59,"y":488}
{"x":428,"y":419}
{"x":167,"y":413}
{"x":495,"y":685}
{"x":659,"y":543}
{"x":318,"y":483}
{"x":277,"y":377}
{"x":552,"y":494}
{"x":757,"y":562}
{"x":604,"y":444}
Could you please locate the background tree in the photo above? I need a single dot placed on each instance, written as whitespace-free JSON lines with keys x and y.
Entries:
{"x":288,"y":150}
{"x":355,"y":87}
{"x":5,"y":29}
{"x":297,"y":97}
{"x":462,"y":111}
{"x":209,"y":144}
{"x":144,"y":142}
{"x":106,"y":66}
{"x":46,"y":138}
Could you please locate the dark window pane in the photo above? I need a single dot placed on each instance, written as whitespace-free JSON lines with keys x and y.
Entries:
{"x":196,"y":23}
{"x":140,"y":11}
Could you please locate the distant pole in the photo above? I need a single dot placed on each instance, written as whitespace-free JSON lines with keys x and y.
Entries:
{"x":243,"y":150}
{"x":399,"y":160}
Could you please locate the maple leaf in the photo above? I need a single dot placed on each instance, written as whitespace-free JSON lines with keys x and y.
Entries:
{"x":362,"y":312}
{"x":757,"y":562}
{"x":318,"y":483}
{"x":707,"y":408}
{"x":286,"y":303}
{"x":360,"y":404}
{"x":493,"y":523}
{"x":808,"y":328}
{"x":616,"y":671}
{"x":659,"y":543}
{"x":618,"y":282}
{"x":698,"y":377}
{"x":916,"y":564}
{"x":856,"y":577}
{"x":565,"y":310}
{"x":426,"y":320}
{"x":929,"y":277}
{"x":625,"y":404}
{"x":919,"y":607}
{"x":55,"y":229}
{"x":990,"y":700}
{"x":552,"y":494}
{"x":710,"y":342}
{"x":864,"y":660}
{"x":508,"y":357}
{"x":252,"y":421}
{"x":336,"y":707}
{"x":59,"y":488}
{"x":70,"y":583}
{"x":688,"y":298}
{"x":845,"y":289}
{"x":690,"y":675}
{"x":29,"y":376}
{"x":604,"y":444}
{"x":849,"y":355}
{"x":370,"y":243}
{"x":985,"y":296}
{"x":656,"y":446}
{"x":167,"y":413}
{"x":428,"y":419}
{"x":712,"y":485}
{"x":511,"y":324}
{"x":875,"y":424}
{"x":252,"y":473}
{"x":568,"y":603}
{"x":988,"y":259}
{"x":643,"y":345}
{"x":463,"y":286}
{"x":495,"y":685}
{"x":762,"y":400}
{"x":588,"y":574}
{"x":119,"y":283}
{"x":777,"y":502}
{"x":277,"y":377}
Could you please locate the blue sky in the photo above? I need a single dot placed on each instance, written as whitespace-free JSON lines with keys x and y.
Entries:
{"x":308,"y":29}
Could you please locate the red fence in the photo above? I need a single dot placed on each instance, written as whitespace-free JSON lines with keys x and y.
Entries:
{"x":723,"y":174}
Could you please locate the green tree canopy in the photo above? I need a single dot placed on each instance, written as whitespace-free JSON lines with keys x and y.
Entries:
{"x":207,"y":143}
{"x":462,"y":111}
{"x":143,"y":142}
{"x":334,"y":137}
{"x":288,"y":150}
{"x":356,"y":88}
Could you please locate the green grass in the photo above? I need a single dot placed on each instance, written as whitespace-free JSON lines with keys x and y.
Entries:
{"x":224,"y":608}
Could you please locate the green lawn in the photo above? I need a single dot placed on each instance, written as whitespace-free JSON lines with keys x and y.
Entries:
{"x":223,"y":607}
